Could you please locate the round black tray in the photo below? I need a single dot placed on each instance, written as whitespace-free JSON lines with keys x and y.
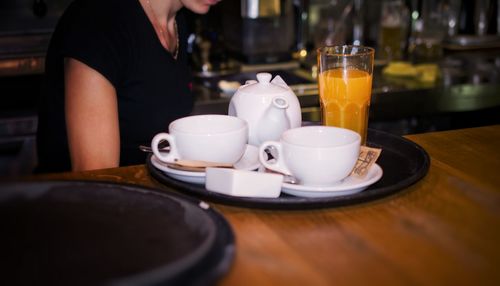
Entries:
{"x":90,"y":233}
{"x":403,"y":162}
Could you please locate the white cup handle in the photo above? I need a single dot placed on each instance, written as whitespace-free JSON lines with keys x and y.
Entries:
{"x":277,"y":165}
{"x":169,"y":157}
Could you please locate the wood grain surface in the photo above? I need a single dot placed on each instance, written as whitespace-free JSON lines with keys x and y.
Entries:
{"x":444,"y":230}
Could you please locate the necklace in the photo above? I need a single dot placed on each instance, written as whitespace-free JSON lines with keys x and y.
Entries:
{"x":164,"y":33}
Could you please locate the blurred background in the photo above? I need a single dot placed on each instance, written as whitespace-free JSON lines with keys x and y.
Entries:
{"x":437,"y":62}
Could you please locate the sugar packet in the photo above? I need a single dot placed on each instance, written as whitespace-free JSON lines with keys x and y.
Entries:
{"x":367,"y":157}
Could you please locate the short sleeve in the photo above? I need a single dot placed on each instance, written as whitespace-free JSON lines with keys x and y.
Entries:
{"x":92,"y":37}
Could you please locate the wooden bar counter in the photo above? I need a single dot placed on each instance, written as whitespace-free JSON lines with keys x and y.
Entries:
{"x":443,"y":230}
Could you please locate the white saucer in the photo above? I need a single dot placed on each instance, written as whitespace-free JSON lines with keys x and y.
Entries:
{"x":348,"y":186}
{"x":249,"y":162}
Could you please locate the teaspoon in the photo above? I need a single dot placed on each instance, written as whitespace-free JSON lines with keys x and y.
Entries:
{"x":290,"y":180}
{"x":148,"y":149}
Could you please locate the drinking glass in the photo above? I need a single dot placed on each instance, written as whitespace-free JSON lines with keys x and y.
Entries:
{"x":394,"y":22}
{"x":345,"y":84}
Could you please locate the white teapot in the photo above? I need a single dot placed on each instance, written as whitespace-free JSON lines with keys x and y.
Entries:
{"x":269,"y":107}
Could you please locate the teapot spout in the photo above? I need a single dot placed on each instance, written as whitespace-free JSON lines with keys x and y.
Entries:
{"x":274,"y":121}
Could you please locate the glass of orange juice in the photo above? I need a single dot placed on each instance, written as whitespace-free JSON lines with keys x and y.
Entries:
{"x":345,"y":86}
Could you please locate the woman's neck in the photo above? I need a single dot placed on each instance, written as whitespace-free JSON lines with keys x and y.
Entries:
{"x":164,"y":10}
{"x":161,"y":14}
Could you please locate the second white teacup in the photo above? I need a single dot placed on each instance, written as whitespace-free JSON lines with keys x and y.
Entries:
{"x":315,"y":155}
{"x":211,"y":137}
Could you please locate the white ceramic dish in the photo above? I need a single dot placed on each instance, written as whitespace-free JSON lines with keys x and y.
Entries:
{"x":348,"y":186}
{"x":249,"y":162}
{"x":242,"y":183}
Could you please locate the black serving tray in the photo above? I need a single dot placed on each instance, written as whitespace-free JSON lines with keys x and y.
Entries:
{"x":90,"y":233}
{"x":403,"y":162}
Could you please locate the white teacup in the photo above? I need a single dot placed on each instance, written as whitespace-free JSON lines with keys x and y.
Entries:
{"x":315,"y":155}
{"x":211,"y":137}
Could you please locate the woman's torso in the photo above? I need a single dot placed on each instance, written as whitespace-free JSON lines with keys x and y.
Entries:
{"x":115,"y":38}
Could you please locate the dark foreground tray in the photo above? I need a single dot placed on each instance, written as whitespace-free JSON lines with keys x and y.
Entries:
{"x":88,"y":233}
{"x":403,"y":162}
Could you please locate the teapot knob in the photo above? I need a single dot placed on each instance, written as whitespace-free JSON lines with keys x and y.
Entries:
{"x":264,"y":77}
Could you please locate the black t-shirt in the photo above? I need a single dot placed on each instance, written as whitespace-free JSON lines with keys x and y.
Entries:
{"x":115,"y":38}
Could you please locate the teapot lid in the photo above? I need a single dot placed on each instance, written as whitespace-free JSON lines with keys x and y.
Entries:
{"x":265,"y":85}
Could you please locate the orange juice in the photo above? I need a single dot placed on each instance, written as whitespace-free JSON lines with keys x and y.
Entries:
{"x":345,"y":99}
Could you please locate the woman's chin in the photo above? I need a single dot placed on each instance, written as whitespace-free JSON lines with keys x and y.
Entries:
{"x":203,"y":8}
{"x":213,"y":2}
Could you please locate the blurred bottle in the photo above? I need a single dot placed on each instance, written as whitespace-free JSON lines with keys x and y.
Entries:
{"x":481,"y":12}
{"x":497,"y":18}
{"x":434,"y":21}
{"x":206,"y":45}
{"x":330,"y":23}
{"x":487,"y":17}
{"x":480,"y":17}
{"x":451,"y":13}
{"x":301,"y":14}
{"x":466,"y":18}
{"x":394,"y":22}
{"x":358,"y":23}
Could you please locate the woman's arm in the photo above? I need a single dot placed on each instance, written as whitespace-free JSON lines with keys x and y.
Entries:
{"x":91,"y":118}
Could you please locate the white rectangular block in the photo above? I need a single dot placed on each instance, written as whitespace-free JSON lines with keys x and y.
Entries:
{"x":241,"y":183}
